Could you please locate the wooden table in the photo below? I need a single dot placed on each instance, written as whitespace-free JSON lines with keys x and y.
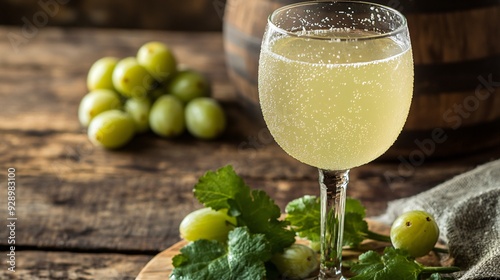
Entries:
{"x":87,"y":213}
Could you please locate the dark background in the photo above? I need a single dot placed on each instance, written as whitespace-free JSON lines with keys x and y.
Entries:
{"x":185,"y":15}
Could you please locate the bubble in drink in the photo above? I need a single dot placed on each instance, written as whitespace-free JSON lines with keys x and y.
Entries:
{"x":335,"y":104}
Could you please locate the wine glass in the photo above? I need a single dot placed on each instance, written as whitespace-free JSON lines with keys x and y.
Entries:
{"x":335,"y":87}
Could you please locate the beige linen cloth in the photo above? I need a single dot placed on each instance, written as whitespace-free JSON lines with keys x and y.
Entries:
{"x":467,"y":209}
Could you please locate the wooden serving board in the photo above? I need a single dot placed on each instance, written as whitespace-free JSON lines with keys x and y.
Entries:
{"x":160,"y":267}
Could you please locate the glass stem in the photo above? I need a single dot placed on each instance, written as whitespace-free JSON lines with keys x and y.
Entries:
{"x":333,"y":185}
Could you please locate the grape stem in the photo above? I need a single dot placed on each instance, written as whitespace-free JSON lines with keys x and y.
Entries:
{"x":439,"y":269}
{"x":378,"y":237}
{"x":384,"y":238}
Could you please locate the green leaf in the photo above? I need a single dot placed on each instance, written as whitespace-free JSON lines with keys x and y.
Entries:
{"x":353,"y":205}
{"x":393,"y":264}
{"x":252,"y":208}
{"x":305,"y":217}
{"x":217,"y":189}
{"x":260,"y":214}
{"x":247,"y":254}
{"x":355,"y":229}
{"x":179,"y":260}
{"x":370,"y":263}
{"x":244,"y":259}
{"x":200,"y":260}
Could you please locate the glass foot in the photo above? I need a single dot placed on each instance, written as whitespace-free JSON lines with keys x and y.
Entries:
{"x":340,"y":277}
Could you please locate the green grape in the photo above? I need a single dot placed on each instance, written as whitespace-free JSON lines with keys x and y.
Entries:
{"x":131,"y":79}
{"x":296,"y":262}
{"x":157,"y":58}
{"x":95,"y":102}
{"x":100,"y":74}
{"x":188,"y":85}
{"x":111,"y":129}
{"x":138,"y":109}
{"x":415,"y":232}
{"x":166,"y":117}
{"x":206,"y":223}
{"x":205,"y":118}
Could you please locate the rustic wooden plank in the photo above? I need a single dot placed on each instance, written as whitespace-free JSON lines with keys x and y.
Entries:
{"x":135,"y":199}
{"x":34,"y":265}
{"x":194,"y":15}
{"x":74,"y":197}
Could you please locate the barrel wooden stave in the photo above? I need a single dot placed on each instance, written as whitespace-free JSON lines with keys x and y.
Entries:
{"x":455,"y":36}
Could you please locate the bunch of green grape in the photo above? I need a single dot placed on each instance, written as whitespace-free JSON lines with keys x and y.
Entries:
{"x":147,"y":92}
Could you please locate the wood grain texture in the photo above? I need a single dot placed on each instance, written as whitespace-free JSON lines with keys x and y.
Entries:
{"x":91,"y":202}
{"x":160,"y":267}
{"x":40,"y":265}
{"x":192,"y":15}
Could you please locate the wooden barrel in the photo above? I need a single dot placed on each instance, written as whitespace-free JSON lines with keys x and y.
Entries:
{"x":189,"y":15}
{"x":456,"y":48}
